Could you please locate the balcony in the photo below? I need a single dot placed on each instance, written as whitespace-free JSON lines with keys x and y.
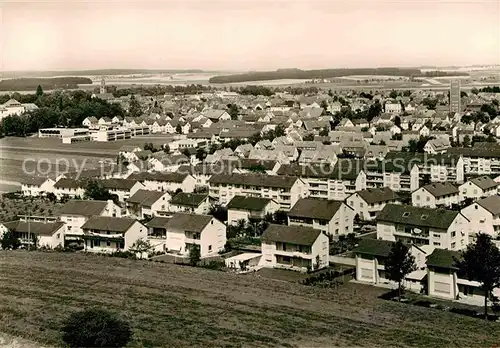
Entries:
{"x":295,"y":253}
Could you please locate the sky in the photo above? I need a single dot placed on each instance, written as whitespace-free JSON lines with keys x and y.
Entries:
{"x":234,"y":35}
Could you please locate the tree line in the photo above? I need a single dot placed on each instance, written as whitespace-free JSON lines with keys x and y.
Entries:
{"x":58,"y":109}
{"x":30,"y":84}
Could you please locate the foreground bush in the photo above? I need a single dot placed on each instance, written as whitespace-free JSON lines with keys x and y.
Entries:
{"x":96,"y":328}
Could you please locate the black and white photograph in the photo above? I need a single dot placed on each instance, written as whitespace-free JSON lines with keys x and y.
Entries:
{"x":249,"y":174}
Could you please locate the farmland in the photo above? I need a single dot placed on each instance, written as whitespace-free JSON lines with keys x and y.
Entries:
{"x":171,"y":305}
{"x":46,"y":156}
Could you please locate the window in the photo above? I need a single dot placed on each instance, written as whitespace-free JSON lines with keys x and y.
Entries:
{"x":417,"y":197}
{"x":453,"y":245}
{"x":108,"y":243}
{"x":406,"y":214}
{"x":453,"y":234}
{"x":209,"y":248}
{"x":437,"y":244}
{"x":428,"y":199}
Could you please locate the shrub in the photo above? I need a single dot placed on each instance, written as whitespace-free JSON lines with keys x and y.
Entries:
{"x":96,"y":328}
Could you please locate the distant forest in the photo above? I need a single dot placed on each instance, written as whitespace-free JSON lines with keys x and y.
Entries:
{"x":30,"y":84}
{"x":326,"y":73}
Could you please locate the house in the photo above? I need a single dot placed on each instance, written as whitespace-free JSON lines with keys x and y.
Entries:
{"x":91,"y":122}
{"x":435,"y":146}
{"x":248,"y":208}
{"x":294,"y":247}
{"x":216,"y":115}
{"x":128,"y":152}
{"x":444,"y":279}
{"x":36,"y":186}
{"x":484,"y":216}
{"x":438,"y":194}
{"x":145,"y":203}
{"x":367,"y":203}
{"x":65,"y":187}
{"x":286,"y":190}
{"x":333,"y":218}
{"x":440,"y":228}
{"x":371,"y":255}
{"x":122,"y":188}
{"x":482,"y":186}
{"x":197,"y":203}
{"x":75,"y":213}
{"x":170,"y":182}
{"x":178,"y":234}
{"x":393,"y":107}
{"x":47,"y":234}
{"x":335,"y":182}
{"x":105,"y":234}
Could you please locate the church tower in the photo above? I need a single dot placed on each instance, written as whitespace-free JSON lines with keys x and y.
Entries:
{"x":103,"y":86}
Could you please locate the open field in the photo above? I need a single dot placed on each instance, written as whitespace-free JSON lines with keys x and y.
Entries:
{"x":22,"y":157}
{"x":174,"y":306}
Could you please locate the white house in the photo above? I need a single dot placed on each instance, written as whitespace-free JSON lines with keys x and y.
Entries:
{"x":285,"y":190}
{"x":196,"y":203}
{"x":444,"y":280}
{"x":104,"y":234}
{"x":479,"y":187}
{"x":393,"y":107}
{"x":484,"y":216}
{"x":437,"y":194}
{"x":179,"y":233}
{"x":47,"y":234}
{"x":145,"y":203}
{"x":294,"y":247}
{"x":170,"y":182}
{"x":440,"y":228}
{"x":10,"y":108}
{"x":65,"y":187}
{"x":76,"y":212}
{"x":330,"y":217}
{"x":36,"y":186}
{"x":246,"y":208}
{"x":123,"y":188}
{"x":367,"y":203}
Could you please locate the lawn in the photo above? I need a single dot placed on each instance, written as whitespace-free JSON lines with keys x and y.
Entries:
{"x":180,"y":306}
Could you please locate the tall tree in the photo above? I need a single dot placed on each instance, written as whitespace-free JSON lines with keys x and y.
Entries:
{"x":95,"y":190}
{"x":135,"y":108}
{"x":234,"y":111}
{"x":399,"y":264}
{"x":481,"y":262}
{"x":194,"y":255}
{"x":39,"y":91}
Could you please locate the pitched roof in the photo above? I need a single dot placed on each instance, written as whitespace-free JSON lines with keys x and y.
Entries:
{"x":443,"y":258}
{"x":299,"y":235}
{"x":65,"y":183}
{"x":440,"y":189}
{"x":38,"y":228}
{"x":417,"y":216}
{"x":248,"y":203}
{"x":491,"y":203}
{"x":106,"y":223}
{"x":377,"y":195}
{"x":254,"y":179}
{"x":189,"y":199}
{"x":189,"y":222}
{"x":33,"y":180}
{"x":315,"y":208}
{"x":158,"y":222}
{"x":83,"y":207}
{"x":118,"y":184}
{"x":161,"y":177}
{"x":374,"y":247}
{"x":484,"y":182}
{"x":145,"y":197}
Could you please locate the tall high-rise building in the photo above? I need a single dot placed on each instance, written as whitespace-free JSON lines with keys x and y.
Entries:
{"x":455,"y":105}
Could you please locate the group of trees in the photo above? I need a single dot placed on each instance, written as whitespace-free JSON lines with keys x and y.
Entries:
{"x":95,"y":190}
{"x":256,"y":90}
{"x":30,"y":83}
{"x":159,"y":90}
{"x":417,"y":146}
{"x":58,"y":109}
{"x":488,"y":89}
